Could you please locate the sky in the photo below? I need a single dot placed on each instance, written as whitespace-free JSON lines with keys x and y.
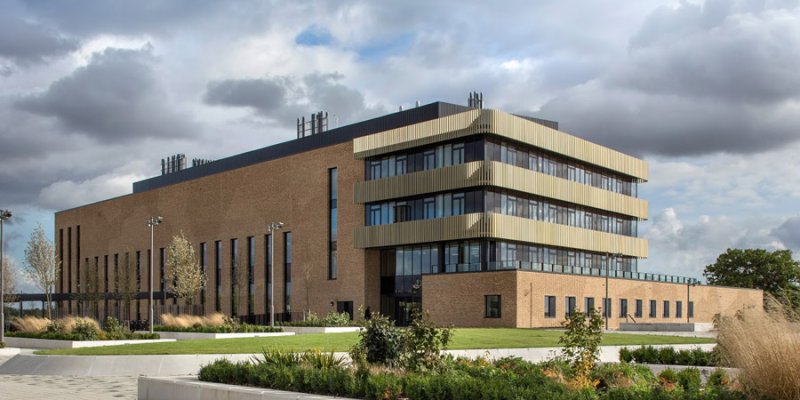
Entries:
{"x":94,"y":94}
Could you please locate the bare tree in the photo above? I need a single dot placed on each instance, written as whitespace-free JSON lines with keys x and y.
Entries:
{"x":93,"y":292}
{"x":125,"y":284}
{"x":42,"y":265}
{"x":187,"y":279}
{"x":9,"y":277}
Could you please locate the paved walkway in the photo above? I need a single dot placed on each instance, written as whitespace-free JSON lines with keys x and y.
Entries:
{"x":37,"y":387}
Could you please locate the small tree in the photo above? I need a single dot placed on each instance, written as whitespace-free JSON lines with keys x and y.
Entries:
{"x":9,"y":277}
{"x":93,"y":293}
{"x":581,"y":344}
{"x":187,"y":279}
{"x":125,"y":283}
{"x":42,"y":265}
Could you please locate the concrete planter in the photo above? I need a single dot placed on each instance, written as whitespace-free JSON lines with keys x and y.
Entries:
{"x":202,"y":335}
{"x":302,"y":330}
{"x":666,"y":327}
{"x":186,"y":387}
{"x":29,"y":343}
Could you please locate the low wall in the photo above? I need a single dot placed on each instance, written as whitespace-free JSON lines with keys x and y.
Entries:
{"x":666,"y":327}
{"x":30,"y":343}
{"x":302,"y":330}
{"x":202,"y":335}
{"x":188,"y":387}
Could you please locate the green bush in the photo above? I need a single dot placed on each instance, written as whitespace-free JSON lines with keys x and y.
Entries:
{"x":423,"y":343}
{"x":719,"y":378}
{"x":331,"y":319}
{"x":2,"y":345}
{"x":581,"y":344}
{"x":668,"y":356}
{"x":337,"y":319}
{"x":84,"y":330}
{"x":689,"y":379}
{"x":612,"y":375}
{"x":668,"y":377}
{"x":380,"y":342}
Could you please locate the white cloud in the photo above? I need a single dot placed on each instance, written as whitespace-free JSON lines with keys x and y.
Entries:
{"x":67,"y":194}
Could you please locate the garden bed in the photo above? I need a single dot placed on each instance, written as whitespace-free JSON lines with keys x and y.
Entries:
{"x":152,"y":388}
{"x":33,"y":343}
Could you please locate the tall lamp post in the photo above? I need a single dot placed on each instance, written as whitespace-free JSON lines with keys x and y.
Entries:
{"x":607,"y":301}
{"x":4,"y":216}
{"x":152,"y":222}
{"x":272,"y":227}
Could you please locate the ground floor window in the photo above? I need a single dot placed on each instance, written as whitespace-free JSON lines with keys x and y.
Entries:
{"x":570,"y":303}
{"x":550,"y":306}
{"x":492,"y":306}
{"x":653,"y":311}
{"x":691,"y":309}
{"x":589,"y":304}
{"x":638,"y":313}
{"x":666,"y":308}
{"x":623,"y":308}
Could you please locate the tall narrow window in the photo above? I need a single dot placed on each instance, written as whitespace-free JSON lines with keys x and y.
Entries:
{"x":653,"y":311}
{"x":117,"y":282}
{"x":639,"y":312}
{"x":333,"y":221}
{"x":234,"y":276}
{"x":570,"y":305}
{"x":69,"y":268}
{"x":623,"y":308}
{"x":61,"y":257}
{"x":666,"y":309}
{"x":78,"y":258}
{"x":550,"y":306}
{"x":251,"y":272}
{"x":218,"y":275}
{"x":162,"y":279}
{"x":287,"y":272}
{"x":268,"y":271}
{"x":138,"y":284}
{"x":607,"y":307}
{"x":679,"y":309}
{"x":691,"y":309}
{"x":105,"y":284}
{"x":203,"y":262}
{"x":492,"y":306}
{"x":589,"y":304}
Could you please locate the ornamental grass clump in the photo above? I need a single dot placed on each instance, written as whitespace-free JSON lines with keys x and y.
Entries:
{"x":765,"y":346}
{"x":29,"y":324}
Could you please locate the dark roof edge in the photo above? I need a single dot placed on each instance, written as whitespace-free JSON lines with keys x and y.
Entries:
{"x":331,"y":137}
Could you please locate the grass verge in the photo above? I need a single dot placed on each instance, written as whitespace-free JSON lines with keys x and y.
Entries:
{"x":465,"y":338}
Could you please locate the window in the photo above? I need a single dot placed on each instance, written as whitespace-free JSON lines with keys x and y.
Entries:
{"x":639,"y":311}
{"x":570,"y":306}
{"x":589,"y":304}
{"x":203,"y":262}
{"x":653,"y":311}
{"x":458,"y":204}
{"x":268,"y":271}
{"x":678,"y":309}
{"x":251,"y":275}
{"x":607,"y":307}
{"x":162,"y":279}
{"x":623,"y":308}
{"x":234,"y":277}
{"x":492,"y":306}
{"x":691,"y":309}
{"x":458,"y":154}
{"x":429,"y":207}
{"x":550,"y":306}
{"x":333,"y":221}
{"x":666,"y":309}
{"x":287,"y":272}
{"x":218,"y":275}
{"x":429,"y":159}
{"x":345,"y":307}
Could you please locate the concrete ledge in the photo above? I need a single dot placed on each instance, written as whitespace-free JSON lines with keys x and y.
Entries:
{"x":189,"y":388}
{"x":30,"y":343}
{"x":202,"y":335}
{"x":302,"y":330}
{"x":666,"y":327}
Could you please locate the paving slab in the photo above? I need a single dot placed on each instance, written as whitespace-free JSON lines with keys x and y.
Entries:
{"x":36,"y":387}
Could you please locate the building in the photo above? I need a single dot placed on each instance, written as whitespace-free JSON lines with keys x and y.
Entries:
{"x":481,"y":217}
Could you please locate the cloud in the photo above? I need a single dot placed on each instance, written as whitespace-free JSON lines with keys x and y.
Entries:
{"x":789,"y":233}
{"x":284,"y":99}
{"x":67,"y":194}
{"x":24,"y":42}
{"x":696,"y":79}
{"x":117,"y":97}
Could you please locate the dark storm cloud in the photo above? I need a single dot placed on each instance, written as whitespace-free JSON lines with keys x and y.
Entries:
{"x":117,"y":97}
{"x":25,"y":42}
{"x":121,"y":17}
{"x":696,"y":80}
{"x":789,"y":233}
{"x":284,"y":99}
{"x":263,"y":95}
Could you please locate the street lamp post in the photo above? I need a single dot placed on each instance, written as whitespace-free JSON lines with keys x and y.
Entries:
{"x":272,"y":227}
{"x":4,"y":216}
{"x":607,"y":301}
{"x":152,"y":222}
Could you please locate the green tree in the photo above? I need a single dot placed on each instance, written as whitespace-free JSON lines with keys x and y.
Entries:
{"x":581,"y":344}
{"x":776,"y":272}
{"x":187,"y":279}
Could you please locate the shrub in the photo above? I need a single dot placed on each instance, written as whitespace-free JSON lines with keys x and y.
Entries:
{"x":668,"y":379}
{"x":668,"y":356}
{"x":623,"y":375}
{"x":424,"y":343}
{"x":113,"y":329}
{"x":719,"y":378}
{"x":56,"y":327}
{"x":29,"y":324}
{"x":211,"y":323}
{"x":85,"y":329}
{"x":319,"y":360}
{"x":581,"y":344}
{"x":689,"y":379}
{"x":764,"y":345}
{"x":337,"y":319}
{"x":379,"y":342}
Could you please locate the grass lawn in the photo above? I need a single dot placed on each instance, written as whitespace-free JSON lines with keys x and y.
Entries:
{"x":465,"y":338}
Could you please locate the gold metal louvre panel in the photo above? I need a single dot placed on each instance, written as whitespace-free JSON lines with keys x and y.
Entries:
{"x":502,"y":124}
